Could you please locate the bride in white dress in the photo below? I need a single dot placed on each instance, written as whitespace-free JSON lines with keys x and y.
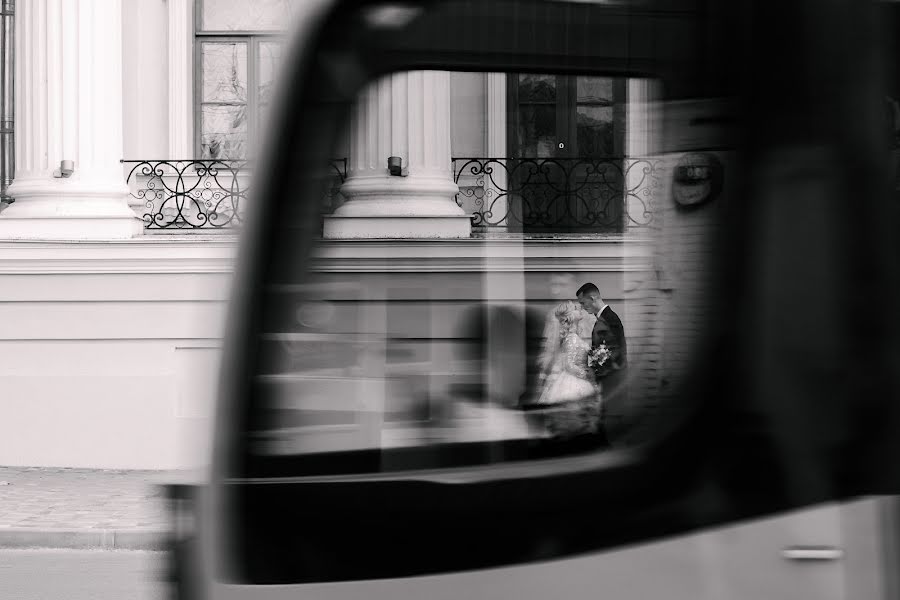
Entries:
{"x":570,"y":396}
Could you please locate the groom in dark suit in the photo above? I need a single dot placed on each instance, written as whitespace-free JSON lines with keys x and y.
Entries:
{"x":607,"y":330}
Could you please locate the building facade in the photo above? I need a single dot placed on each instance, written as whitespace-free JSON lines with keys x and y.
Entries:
{"x":136,"y":124}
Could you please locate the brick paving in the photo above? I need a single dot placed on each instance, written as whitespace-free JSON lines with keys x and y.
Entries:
{"x":81,"y":499}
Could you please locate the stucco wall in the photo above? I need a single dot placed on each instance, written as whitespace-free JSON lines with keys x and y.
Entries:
{"x":145,"y":79}
{"x":468,"y":116}
{"x":110,"y":350}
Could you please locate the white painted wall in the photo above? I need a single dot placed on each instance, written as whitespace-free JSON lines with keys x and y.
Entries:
{"x":145,"y":75}
{"x":110,"y":351}
{"x":468,"y":118}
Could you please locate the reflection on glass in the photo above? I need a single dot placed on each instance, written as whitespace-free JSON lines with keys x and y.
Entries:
{"x":595,"y":130}
{"x":270,"y":56}
{"x":394,"y":366}
{"x":594,"y":89}
{"x":537,"y":130}
{"x":537,"y":88}
{"x":429,"y":360}
{"x":223,"y":131}
{"x":224,"y":68}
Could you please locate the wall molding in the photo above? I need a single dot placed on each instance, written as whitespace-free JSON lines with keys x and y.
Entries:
{"x":202,"y":254}
{"x":218,"y":254}
{"x":489,"y":256}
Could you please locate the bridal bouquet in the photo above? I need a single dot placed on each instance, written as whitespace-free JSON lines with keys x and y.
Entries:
{"x":600,"y":359}
{"x":599,"y":355}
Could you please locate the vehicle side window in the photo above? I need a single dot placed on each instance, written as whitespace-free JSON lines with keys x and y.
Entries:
{"x":560,"y":324}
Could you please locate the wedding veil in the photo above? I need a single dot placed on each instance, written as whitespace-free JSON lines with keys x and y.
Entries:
{"x":550,"y":343}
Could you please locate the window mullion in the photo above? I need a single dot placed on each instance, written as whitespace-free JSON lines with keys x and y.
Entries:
{"x":252,"y":90}
{"x":198,"y":17}
{"x":198,"y":86}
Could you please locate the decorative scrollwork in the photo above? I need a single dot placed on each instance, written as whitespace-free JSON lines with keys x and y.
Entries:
{"x":195,"y":193}
{"x":189,"y":194}
{"x":558,"y":194}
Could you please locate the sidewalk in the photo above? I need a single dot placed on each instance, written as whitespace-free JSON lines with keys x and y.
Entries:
{"x":81,"y":508}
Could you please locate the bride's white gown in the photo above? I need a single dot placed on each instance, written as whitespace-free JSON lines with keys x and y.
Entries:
{"x":570,"y":400}
{"x":570,"y":379}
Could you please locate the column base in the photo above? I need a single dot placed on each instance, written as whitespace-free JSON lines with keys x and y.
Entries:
{"x":65,"y":229}
{"x":68,"y":210}
{"x":445,"y":227}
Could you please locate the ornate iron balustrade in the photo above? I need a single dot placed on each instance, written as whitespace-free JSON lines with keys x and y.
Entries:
{"x":197,"y":193}
{"x":189,"y":194}
{"x":558,"y":194}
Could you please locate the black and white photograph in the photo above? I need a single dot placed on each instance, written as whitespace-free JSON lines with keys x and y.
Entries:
{"x":449,"y":299}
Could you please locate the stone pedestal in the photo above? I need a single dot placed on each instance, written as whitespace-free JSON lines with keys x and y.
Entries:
{"x":69,"y":107}
{"x":405,"y":115}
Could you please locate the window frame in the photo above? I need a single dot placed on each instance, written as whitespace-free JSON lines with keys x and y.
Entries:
{"x":252,"y":38}
{"x":565,"y":106}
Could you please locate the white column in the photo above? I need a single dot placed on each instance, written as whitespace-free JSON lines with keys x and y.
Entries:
{"x":69,"y":107}
{"x":640,"y":128}
{"x":495,"y":184}
{"x":641,"y":137}
{"x":405,"y":115}
{"x":181,"y":117}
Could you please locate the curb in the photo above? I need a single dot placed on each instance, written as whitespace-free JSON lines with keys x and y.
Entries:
{"x":84,"y":539}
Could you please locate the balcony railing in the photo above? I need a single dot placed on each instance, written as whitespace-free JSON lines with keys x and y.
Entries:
{"x":558,"y":195}
{"x":199,"y":193}
{"x":189,"y":194}
{"x":610,"y":194}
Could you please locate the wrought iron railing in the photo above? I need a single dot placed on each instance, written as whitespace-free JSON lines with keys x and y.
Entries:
{"x":518,"y":194}
{"x":198,"y":193}
{"x":558,"y":194}
{"x":189,"y":194}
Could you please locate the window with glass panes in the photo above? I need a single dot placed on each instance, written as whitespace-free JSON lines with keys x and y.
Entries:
{"x":238,"y":46}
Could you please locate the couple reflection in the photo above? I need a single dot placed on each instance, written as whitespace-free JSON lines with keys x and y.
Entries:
{"x":540,"y":380}
{"x":569,"y":393}
{"x":575,"y":374}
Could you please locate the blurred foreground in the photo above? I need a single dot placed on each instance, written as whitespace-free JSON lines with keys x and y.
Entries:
{"x":81,"y":575}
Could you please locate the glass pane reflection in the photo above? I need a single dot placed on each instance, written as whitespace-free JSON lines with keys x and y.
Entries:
{"x":595,"y":130}
{"x":537,"y":88}
{"x":224,"y":67}
{"x":223,"y":131}
{"x":594,"y":89}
